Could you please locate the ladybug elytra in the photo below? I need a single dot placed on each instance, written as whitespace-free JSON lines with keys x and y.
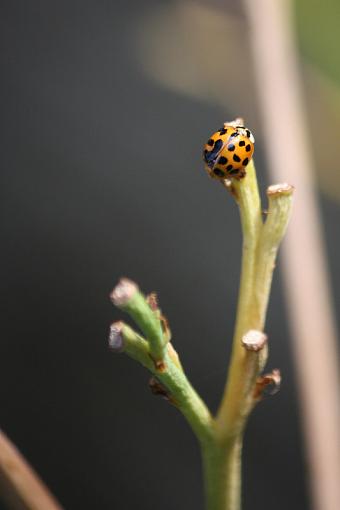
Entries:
{"x":228,"y":151}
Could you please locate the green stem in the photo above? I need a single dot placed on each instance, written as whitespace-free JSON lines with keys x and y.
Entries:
{"x":129,"y":298}
{"x":222,"y":475}
{"x":188,"y":401}
{"x":260,"y":244}
{"x":172,"y":377}
{"x":230,"y":416}
{"x":280,"y":200}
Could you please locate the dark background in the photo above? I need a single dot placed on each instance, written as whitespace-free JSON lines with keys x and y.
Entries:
{"x":102,"y":177}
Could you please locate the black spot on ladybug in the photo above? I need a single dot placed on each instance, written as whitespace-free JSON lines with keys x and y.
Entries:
{"x":248,"y":133}
{"x":218,"y":172}
{"x":210,"y":142}
{"x":234,"y":171}
{"x":245,"y":162}
{"x":242,"y":143}
{"x":212,"y":155}
{"x":231,"y":147}
{"x":233,"y":134}
{"x":218,"y":145}
{"x":236,"y":158}
{"x":223,"y":131}
{"x":229,"y":168}
{"x":248,"y":148}
{"x":222,"y":160}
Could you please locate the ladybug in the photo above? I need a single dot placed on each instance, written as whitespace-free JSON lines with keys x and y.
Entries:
{"x":228,"y":151}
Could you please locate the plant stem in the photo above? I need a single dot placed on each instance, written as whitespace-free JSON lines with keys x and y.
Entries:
{"x":280,"y":199}
{"x":230,"y":414}
{"x":179,"y":390}
{"x":220,"y":438}
{"x":188,"y":402}
{"x":260,"y":244}
{"x":128,"y":297}
{"x":21,"y":488}
{"x":306,"y":273}
{"x":222,"y":475}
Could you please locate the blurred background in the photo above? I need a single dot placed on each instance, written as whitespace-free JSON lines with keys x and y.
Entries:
{"x":105,"y":108}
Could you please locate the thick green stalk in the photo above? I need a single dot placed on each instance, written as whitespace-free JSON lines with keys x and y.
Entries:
{"x":222,"y":474}
{"x":230,"y":415}
{"x":260,"y":244}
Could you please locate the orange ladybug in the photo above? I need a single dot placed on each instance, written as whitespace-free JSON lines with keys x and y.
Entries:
{"x":228,"y":151}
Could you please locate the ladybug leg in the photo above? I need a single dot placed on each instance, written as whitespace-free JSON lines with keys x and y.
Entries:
{"x":210,"y":172}
{"x":240,"y":175}
{"x":228,"y":185}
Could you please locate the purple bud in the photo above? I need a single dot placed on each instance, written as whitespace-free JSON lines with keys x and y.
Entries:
{"x":116,"y":340}
{"x":123,"y":292}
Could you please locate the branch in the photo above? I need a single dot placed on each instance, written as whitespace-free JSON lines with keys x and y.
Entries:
{"x":230,"y":413}
{"x":127,"y":296}
{"x":169,"y":374}
{"x":20,"y":485}
{"x":260,"y":245}
{"x":279,"y":207}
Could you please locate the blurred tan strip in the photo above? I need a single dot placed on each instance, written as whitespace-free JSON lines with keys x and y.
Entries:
{"x":20,"y":486}
{"x":272,"y":40}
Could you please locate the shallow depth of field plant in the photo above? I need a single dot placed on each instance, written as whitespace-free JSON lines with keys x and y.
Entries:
{"x":220,"y":437}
